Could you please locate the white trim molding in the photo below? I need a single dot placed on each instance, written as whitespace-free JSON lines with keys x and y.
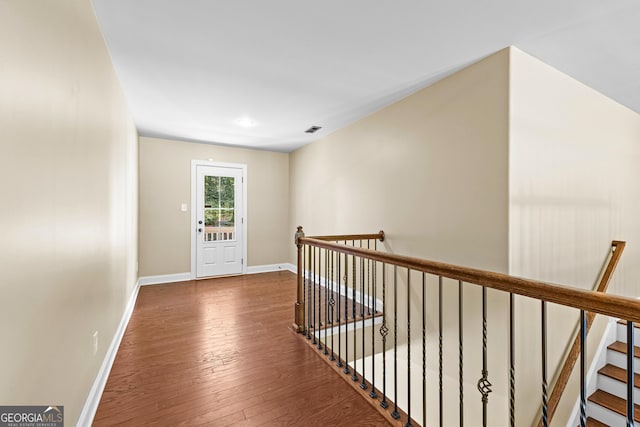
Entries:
{"x":245,"y":219}
{"x":164,"y":278}
{"x":343,"y":290}
{"x":95,"y":394}
{"x":254,"y":269}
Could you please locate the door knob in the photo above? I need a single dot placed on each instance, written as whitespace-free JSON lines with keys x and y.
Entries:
{"x":199,"y":230}
{"x":200,"y":222}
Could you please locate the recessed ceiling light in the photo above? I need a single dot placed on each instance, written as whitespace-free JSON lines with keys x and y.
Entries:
{"x":245,"y":122}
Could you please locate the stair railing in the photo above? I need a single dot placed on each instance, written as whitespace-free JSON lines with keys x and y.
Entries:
{"x":348,"y":300}
{"x":617,"y":248}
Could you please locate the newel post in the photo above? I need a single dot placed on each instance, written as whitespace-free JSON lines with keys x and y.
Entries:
{"x":298,"y":323}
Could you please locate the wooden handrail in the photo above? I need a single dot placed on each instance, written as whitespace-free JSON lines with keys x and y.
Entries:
{"x":341,"y":237}
{"x":617,"y":248}
{"x":592,"y":301}
{"x":298,"y":323}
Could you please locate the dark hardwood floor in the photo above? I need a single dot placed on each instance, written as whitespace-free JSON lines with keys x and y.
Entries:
{"x":221,"y":352}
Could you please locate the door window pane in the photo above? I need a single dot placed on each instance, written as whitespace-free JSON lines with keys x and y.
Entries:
{"x":227,"y":192}
{"x":211,"y":191}
{"x":219,"y":208}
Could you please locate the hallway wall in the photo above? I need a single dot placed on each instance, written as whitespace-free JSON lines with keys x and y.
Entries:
{"x":574,"y":186}
{"x":68,"y":180}
{"x":165,"y":183}
{"x":508,"y":165}
{"x":431,"y":170}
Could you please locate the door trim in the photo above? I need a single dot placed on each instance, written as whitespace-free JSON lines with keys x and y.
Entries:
{"x":243,"y":224}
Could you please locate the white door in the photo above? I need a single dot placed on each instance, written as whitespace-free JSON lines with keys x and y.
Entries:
{"x":219,"y":220}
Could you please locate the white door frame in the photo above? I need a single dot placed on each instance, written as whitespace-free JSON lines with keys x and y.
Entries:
{"x":243,"y":223}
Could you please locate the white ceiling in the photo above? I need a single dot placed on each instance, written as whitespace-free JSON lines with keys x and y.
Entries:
{"x":191,"y":68}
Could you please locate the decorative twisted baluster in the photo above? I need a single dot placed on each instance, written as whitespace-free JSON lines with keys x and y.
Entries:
{"x":512,"y":371}
{"x":384,"y":331}
{"x":484,"y":386}
{"x":332,"y":303}
{"x":326,"y":299}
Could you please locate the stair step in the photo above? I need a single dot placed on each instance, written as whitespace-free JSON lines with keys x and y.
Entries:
{"x":613,"y":403}
{"x":621,"y":331}
{"x":621,"y":347}
{"x":624,"y":322}
{"x":619,"y":374}
{"x":592,"y":422}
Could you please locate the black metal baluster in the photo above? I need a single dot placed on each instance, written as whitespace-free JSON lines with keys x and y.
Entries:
{"x":440,"y":401}
{"x":512,"y":370}
{"x":346,"y":314}
{"x":460,"y":351}
{"x":332,"y":303}
{"x":326,"y":299}
{"x":484,"y":386}
{"x":545,"y":403}
{"x":408,"y":424}
{"x":630,"y":374}
{"x":373,"y":393}
{"x":384,"y":331}
{"x":315,"y":328}
{"x":338,"y":277}
{"x":424,"y":352}
{"x":583,"y":359}
{"x":354,"y":377}
{"x":363,"y":300}
{"x":306,"y":278}
{"x":319,"y":279}
{"x":395,"y":413}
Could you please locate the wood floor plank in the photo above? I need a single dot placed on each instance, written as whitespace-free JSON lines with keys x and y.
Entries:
{"x":220,"y":352}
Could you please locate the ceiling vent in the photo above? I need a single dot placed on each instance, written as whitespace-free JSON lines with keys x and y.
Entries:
{"x":313,"y":129}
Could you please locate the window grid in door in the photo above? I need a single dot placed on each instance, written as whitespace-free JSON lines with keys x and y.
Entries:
{"x":219,"y":208}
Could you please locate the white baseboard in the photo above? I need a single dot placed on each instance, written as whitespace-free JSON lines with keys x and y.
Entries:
{"x":165,"y":278}
{"x":254,"y":269}
{"x":344,"y":290}
{"x":91,"y":404}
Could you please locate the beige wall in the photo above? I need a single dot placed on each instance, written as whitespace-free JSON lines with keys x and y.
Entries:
{"x":508,"y":165}
{"x":574,"y":185}
{"x":431,"y":170}
{"x":165,"y":183}
{"x":68,"y":183}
